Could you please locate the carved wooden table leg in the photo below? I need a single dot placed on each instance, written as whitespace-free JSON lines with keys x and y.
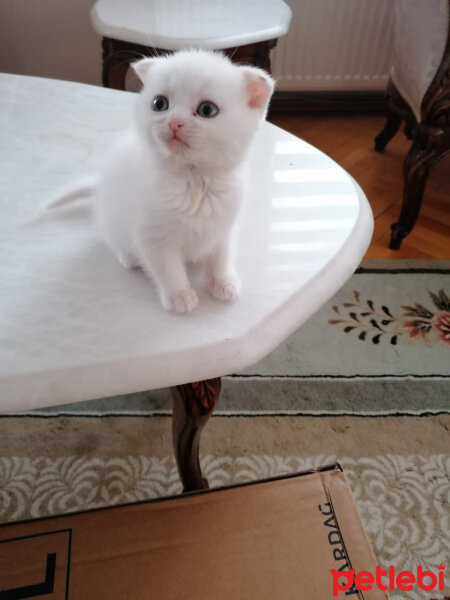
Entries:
{"x":115,"y":65}
{"x":117,"y":57}
{"x":193,"y":404}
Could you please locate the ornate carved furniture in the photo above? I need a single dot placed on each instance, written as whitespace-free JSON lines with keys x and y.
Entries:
{"x":76,"y":326}
{"x":246,"y":31}
{"x":418,"y":94}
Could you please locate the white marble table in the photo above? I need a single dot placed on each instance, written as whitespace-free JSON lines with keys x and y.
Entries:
{"x":75,"y":325}
{"x":246,"y":31}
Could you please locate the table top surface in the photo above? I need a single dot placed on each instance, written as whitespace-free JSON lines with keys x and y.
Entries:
{"x":75,"y":325}
{"x":176,"y":24}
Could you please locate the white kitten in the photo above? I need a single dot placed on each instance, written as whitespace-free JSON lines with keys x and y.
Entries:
{"x":173,"y":186}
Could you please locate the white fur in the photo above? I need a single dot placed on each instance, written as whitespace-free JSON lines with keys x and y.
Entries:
{"x":163,"y":204}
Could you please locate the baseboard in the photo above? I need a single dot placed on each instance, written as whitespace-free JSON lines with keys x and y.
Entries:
{"x":368,"y":101}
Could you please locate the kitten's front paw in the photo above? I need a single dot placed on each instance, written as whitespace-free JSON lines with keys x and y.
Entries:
{"x":226,"y":290}
{"x":181,"y":302}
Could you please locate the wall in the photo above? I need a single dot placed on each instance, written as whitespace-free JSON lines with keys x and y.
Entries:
{"x":49,"y":38}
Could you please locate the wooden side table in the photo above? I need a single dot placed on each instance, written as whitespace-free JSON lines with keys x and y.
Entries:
{"x":245,"y":31}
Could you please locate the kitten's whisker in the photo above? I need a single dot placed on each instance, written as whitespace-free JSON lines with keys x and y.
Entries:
{"x":159,"y":52}
{"x":234,"y":52}
{"x":154,"y":51}
{"x":138,"y":54}
{"x":125,"y":61}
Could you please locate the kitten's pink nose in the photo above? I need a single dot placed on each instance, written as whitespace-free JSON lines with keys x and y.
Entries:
{"x":175,"y":124}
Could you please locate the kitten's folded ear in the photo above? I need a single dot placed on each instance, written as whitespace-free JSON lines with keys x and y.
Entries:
{"x":258,"y":86}
{"x":142,"y":67}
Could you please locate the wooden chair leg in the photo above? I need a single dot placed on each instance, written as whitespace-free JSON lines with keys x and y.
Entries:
{"x":193,"y":404}
{"x":419,"y":160}
{"x":390,"y":129}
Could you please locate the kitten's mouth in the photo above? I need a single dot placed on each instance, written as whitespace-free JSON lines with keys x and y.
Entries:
{"x":176,"y":141}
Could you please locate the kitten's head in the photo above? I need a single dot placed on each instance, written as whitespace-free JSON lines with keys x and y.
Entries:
{"x":199,"y":107}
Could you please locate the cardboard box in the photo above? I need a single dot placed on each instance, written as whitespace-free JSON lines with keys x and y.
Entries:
{"x":271,"y":540}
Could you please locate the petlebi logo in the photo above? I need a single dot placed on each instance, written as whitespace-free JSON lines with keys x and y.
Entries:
{"x":352,"y":582}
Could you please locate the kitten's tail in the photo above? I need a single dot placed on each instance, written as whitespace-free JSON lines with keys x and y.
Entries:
{"x":72,"y":194}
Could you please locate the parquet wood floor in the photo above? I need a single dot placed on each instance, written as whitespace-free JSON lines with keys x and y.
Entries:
{"x":348,"y":139}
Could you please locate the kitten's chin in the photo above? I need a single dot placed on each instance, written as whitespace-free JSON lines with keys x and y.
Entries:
{"x":184,"y":155}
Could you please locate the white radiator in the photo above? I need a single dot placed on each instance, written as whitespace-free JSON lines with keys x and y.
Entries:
{"x":335,"y":45}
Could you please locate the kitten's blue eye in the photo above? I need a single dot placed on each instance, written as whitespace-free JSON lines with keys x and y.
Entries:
{"x":207,"y":110}
{"x":160,"y":103}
